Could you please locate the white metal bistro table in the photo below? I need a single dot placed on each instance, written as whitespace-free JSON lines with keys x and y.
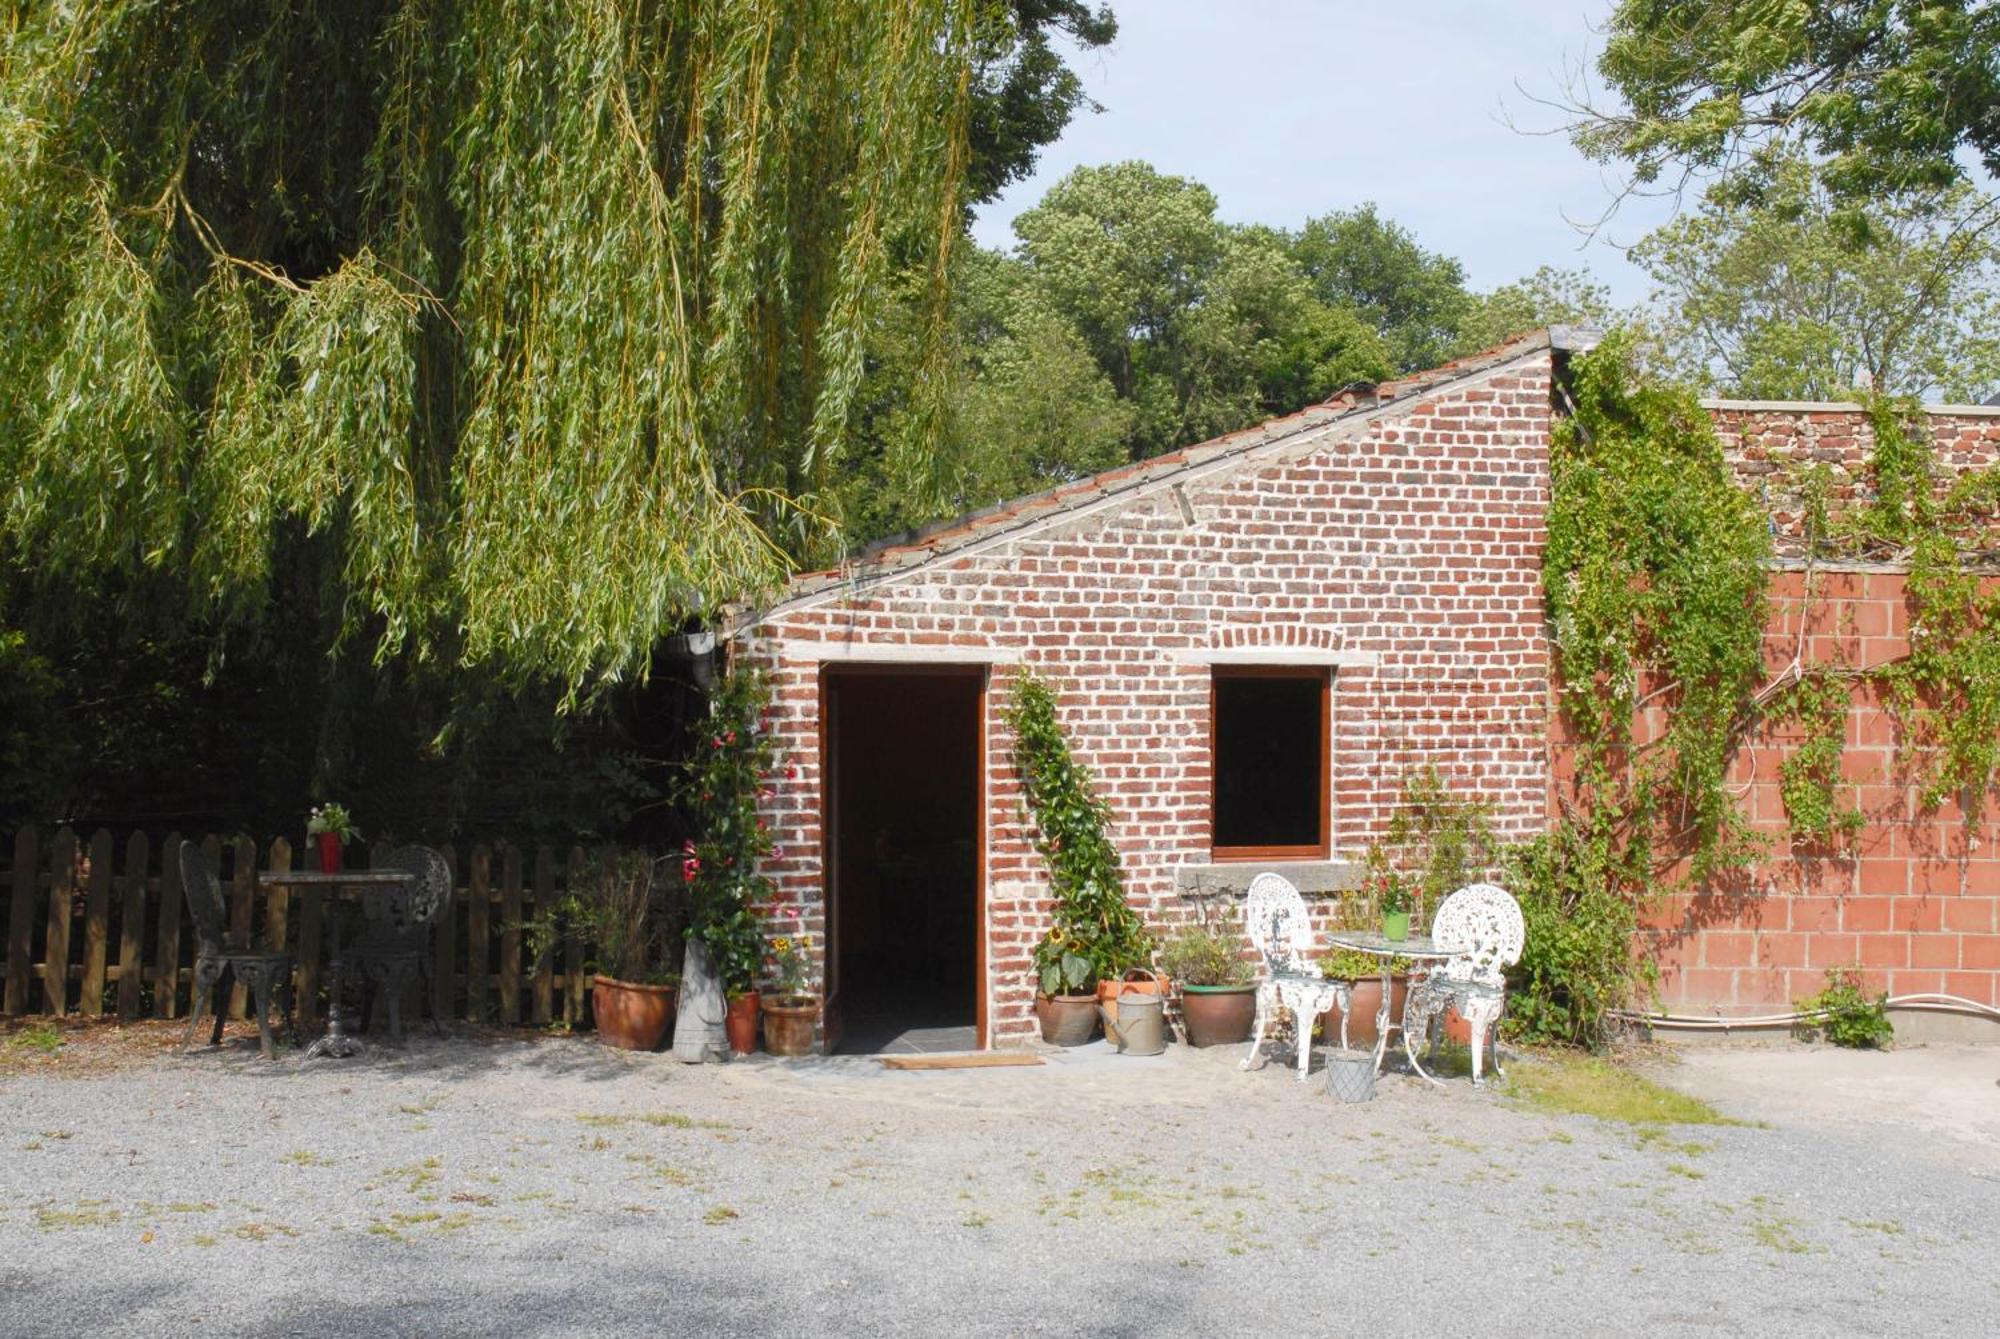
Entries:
{"x":1417,"y":948}
{"x":336,"y":1042}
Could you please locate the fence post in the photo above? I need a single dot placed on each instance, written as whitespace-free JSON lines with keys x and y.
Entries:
{"x":478,"y":946}
{"x":21,"y":922}
{"x":55,"y":957}
{"x":242,"y":906}
{"x":132,"y":925}
{"x":545,"y":962}
{"x":510,"y":934}
{"x":579,"y":875}
{"x":96,"y":926}
{"x":167,"y":949}
{"x":447,"y":943}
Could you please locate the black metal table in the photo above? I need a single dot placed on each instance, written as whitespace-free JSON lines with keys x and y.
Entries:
{"x":336,"y":1042}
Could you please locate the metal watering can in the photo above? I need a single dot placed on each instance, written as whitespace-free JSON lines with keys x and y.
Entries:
{"x":1140,"y":1025}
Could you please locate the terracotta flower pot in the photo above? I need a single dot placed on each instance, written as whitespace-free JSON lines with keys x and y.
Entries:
{"x":1367,"y":999}
{"x":632,"y":1016}
{"x":1067,"y":1020}
{"x":1218,"y":1015}
{"x":741,"y":1023}
{"x":329,"y":852}
{"x":790,"y":1025}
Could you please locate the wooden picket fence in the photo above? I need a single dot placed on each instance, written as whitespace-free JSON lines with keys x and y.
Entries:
{"x":92,"y":934}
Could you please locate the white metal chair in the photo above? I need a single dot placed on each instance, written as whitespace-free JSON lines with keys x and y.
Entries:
{"x":1481,"y":925}
{"x":1274,"y":916}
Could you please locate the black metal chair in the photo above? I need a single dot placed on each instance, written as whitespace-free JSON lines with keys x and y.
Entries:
{"x":397,"y":945}
{"x":262,"y":972}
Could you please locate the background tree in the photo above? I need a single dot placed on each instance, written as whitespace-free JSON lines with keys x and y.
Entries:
{"x":1023,"y":94}
{"x":1415,"y":300}
{"x":1885,"y":96}
{"x":1787,"y":293}
{"x":1549,"y":296}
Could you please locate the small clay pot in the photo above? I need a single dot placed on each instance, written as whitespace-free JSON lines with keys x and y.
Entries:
{"x":632,"y":1016}
{"x":791,"y":1023}
{"x":1218,"y":1015}
{"x":1067,"y":1020}
{"x":741,"y":1023}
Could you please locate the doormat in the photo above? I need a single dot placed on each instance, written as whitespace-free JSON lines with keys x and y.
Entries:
{"x":962,"y":1060}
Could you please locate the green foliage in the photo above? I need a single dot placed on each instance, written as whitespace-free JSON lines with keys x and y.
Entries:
{"x":1414,"y":300}
{"x":1095,"y":936}
{"x":1883,"y":96}
{"x":1844,"y":1015}
{"x":1445,"y":839}
{"x":1547,"y":297}
{"x":720,"y":788}
{"x":1655,"y":579}
{"x":1580,"y":891}
{"x":1347,"y":964}
{"x":1654,"y":574}
{"x":1023,"y":95}
{"x":1791,"y":294}
{"x":547,"y":317}
{"x":1809,"y":778}
{"x":1201,"y":327}
{"x":629,"y":914}
{"x":1202,"y":955}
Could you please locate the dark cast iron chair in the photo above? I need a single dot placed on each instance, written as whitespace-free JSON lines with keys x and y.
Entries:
{"x":397,"y":945}
{"x":262,"y":972}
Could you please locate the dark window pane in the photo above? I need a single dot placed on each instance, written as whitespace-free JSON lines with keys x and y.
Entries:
{"x":1267,"y":761}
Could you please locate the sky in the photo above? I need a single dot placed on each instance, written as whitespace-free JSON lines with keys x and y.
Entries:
{"x":1287,"y":109}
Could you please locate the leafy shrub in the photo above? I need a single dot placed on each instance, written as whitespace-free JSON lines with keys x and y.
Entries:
{"x":1201,"y":955}
{"x":1844,"y":1015}
{"x":1577,"y":963}
{"x":720,"y":788}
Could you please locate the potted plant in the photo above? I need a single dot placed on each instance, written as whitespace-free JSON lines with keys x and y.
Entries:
{"x":1096,"y":936}
{"x":1363,"y":973}
{"x":791,"y":1016}
{"x":629,"y":920}
{"x":1394,"y":901}
{"x":1218,"y":997}
{"x":333,"y":826}
{"x":720,"y":789}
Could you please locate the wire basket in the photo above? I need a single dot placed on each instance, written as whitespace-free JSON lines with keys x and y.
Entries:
{"x":1350,"y":1075}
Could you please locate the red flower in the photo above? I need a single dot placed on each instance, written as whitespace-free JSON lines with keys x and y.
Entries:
{"x":689,"y":868}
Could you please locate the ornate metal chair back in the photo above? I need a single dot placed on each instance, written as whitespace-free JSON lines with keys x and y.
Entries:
{"x":1274,"y":916}
{"x":1481,"y":924}
{"x":412,"y":911}
{"x":203,"y":892}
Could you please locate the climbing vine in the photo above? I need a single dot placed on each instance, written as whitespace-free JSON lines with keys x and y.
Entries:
{"x":1095,"y":936}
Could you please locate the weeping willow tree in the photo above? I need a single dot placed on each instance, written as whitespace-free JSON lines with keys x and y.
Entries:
{"x":542,"y":318}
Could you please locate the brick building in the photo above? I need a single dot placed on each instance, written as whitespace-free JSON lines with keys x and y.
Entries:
{"x":1255,"y":640}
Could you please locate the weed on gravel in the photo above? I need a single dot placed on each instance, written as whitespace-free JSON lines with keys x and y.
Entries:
{"x":1585,"y":1085}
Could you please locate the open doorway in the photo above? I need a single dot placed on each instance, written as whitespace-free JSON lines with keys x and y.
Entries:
{"x":905,"y":754}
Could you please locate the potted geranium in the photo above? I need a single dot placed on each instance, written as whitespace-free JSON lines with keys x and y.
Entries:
{"x":791,"y":1014}
{"x":631,"y":920}
{"x":1095,"y":936}
{"x":1218,"y":997}
{"x":333,"y":827}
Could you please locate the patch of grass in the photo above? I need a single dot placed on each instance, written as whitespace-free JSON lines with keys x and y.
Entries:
{"x":975,"y":1220}
{"x":1682,"y":1169}
{"x":191,"y":1206}
{"x":88,"y":1214}
{"x":202,"y":1239}
{"x":305,"y":1157}
{"x":58,"y":1134}
{"x":37,"y":1037}
{"x":1779,"y":1234}
{"x":1888,"y":1228}
{"x":1584,"y":1085}
{"x":671,"y":1120}
{"x":263,"y":1231}
{"x":719,"y":1215}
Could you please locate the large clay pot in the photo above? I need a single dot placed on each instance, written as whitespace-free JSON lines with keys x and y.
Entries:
{"x":1218,"y":1015}
{"x":791,"y":1023}
{"x":1109,"y":991}
{"x":632,"y":1016}
{"x":1067,"y":1020}
{"x":741,"y":1023}
{"x":1367,"y":999}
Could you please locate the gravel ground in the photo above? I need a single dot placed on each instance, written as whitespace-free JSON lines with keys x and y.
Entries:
{"x":552,"y":1187}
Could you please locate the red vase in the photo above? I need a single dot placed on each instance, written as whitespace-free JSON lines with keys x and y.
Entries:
{"x":329,"y":852}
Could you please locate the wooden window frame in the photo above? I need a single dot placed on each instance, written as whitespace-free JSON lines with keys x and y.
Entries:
{"x":1323,"y":849}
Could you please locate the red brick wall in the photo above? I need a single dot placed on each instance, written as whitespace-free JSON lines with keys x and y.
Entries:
{"x":1915,"y":898}
{"x":1415,"y":540}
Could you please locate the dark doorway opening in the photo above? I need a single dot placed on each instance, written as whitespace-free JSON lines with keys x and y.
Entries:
{"x":905,"y":750}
